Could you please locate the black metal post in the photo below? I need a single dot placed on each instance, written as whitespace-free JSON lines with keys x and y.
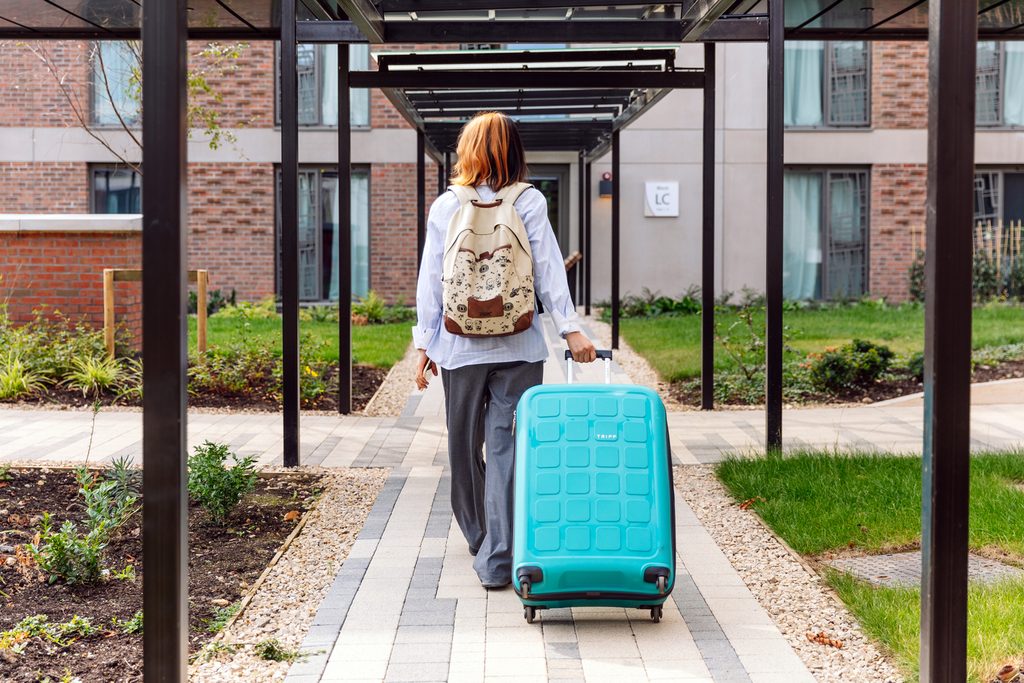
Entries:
{"x":421,"y":194}
{"x":582,"y":210}
{"x":707,"y":339}
{"x":774,"y":230}
{"x":165,"y":342}
{"x":448,"y":167}
{"x":947,"y":345}
{"x":289,"y":235}
{"x":616,"y":202}
{"x":442,"y":182}
{"x":588,"y":245}
{"x":344,"y":233}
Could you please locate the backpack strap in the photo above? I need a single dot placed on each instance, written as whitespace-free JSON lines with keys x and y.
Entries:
{"x":512,"y":192}
{"x":465,"y":193}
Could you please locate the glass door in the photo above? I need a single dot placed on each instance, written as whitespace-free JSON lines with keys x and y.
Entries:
{"x":553,"y":181}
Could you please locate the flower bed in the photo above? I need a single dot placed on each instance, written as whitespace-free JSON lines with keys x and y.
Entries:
{"x":92,"y":629}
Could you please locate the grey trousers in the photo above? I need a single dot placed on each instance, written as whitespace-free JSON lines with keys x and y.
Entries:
{"x":480,"y":401}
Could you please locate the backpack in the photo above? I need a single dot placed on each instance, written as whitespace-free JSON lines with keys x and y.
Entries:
{"x":488,"y":266}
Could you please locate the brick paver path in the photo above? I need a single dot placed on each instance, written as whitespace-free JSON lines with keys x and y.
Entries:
{"x":406,"y":605}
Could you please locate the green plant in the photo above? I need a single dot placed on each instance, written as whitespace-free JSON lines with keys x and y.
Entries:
{"x":221,"y":617}
{"x":62,"y":634}
{"x":985,"y":277}
{"x":5,"y":472}
{"x":130,"y":386}
{"x":262,"y":310}
{"x":855,"y":365}
{"x":371,"y":307}
{"x":108,"y":507}
{"x":126,"y":574}
{"x":916,"y":275}
{"x":126,"y":478}
{"x":213,"y":485}
{"x":64,"y":554}
{"x":915,"y":366}
{"x":131,"y":626}
{"x":215,"y":300}
{"x":273,"y":651}
{"x":16,"y":379}
{"x":742,"y":341}
{"x":94,"y":375}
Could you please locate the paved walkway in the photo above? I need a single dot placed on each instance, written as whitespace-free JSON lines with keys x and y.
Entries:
{"x":406,"y":605}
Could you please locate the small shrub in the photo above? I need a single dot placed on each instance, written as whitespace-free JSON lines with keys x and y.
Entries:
{"x":62,"y":634}
{"x":107,"y":509}
{"x":246,"y":310}
{"x":915,"y":366}
{"x":95,"y":375}
{"x":130,"y":386}
{"x":126,"y":478}
{"x":16,"y":379}
{"x":273,"y":651}
{"x":131,"y":626}
{"x":857,"y":364}
{"x":215,"y":301}
{"x":916,"y":275}
{"x":371,"y":307}
{"x":213,"y":485}
{"x":66,"y":555}
{"x":986,"y":283}
{"x":221,"y":617}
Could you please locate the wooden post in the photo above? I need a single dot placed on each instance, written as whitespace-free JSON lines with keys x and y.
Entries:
{"x":202,"y":278}
{"x":108,"y":310}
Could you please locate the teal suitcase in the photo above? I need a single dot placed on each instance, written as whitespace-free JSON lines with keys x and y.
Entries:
{"x":594,"y":512}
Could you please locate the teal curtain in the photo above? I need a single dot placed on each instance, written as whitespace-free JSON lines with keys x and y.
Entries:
{"x":801,"y":269}
{"x":1013,"y":91}
{"x":360,"y":233}
{"x":805,"y":65}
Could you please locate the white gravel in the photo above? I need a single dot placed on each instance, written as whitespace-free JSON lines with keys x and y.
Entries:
{"x":394,"y":391}
{"x":797,"y":598}
{"x":285,"y":605}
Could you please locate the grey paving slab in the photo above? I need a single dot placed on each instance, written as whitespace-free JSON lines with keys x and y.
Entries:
{"x":904,"y":569}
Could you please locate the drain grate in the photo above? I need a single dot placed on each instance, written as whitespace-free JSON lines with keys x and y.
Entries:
{"x":904,"y":569}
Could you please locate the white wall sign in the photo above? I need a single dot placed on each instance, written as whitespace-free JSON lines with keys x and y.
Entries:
{"x":661,"y":199}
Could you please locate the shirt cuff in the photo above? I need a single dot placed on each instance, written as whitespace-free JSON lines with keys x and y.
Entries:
{"x":421,"y":337}
{"x":567,"y":326}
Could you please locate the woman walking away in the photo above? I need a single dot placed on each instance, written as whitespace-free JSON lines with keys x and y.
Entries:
{"x":489,"y":253}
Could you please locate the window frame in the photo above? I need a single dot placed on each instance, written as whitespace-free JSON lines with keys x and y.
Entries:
{"x":1000,"y":189}
{"x":826,"y":220}
{"x":318,"y":171}
{"x":91,"y":170}
{"x":826,"y":91}
{"x":1001,"y":124}
{"x":320,"y":126}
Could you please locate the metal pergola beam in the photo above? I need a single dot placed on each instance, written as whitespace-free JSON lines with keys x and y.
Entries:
{"x":165,"y":343}
{"x":289,"y":235}
{"x":407,"y":6}
{"x":329,"y":32}
{"x":417,"y":59}
{"x":508,"y":78}
{"x":700,"y":16}
{"x":536,"y":31}
{"x":616,"y":204}
{"x":947,"y":350}
{"x":707,"y":243}
{"x":365,"y":15}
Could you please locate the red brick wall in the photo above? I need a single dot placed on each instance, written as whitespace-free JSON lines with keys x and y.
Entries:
{"x":231,"y":226}
{"x":899,"y":85}
{"x":898,"y":195}
{"x":64,"y":271}
{"x":393,"y":231}
{"x":31,"y":95}
{"x":38,"y":187}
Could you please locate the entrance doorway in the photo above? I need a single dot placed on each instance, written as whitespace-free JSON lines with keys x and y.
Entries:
{"x":553,"y":181}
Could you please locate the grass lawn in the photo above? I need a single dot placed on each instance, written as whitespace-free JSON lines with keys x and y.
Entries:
{"x":672,"y":343}
{"x":821,"y":502}
{"x":378,"y":345}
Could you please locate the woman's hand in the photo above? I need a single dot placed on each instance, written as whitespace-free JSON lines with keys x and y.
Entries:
{"x":422,"y":365}
{"x":582,"y":349}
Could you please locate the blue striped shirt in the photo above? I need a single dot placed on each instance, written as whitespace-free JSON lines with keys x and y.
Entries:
{"x":451,"y":351}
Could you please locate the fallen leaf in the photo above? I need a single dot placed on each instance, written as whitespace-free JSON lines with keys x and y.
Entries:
{"x":220,"y":602}
{"x":749,"y":502}
{"x":822,"y":638}
{"x":291,"y":516}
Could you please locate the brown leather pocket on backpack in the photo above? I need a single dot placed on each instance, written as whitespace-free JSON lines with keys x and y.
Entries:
{"x":486,"y":308}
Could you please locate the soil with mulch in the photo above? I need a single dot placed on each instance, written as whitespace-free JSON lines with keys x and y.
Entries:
{"x":687,"y":392}
{"x":224,"y":562}
{"x":261,"y":395}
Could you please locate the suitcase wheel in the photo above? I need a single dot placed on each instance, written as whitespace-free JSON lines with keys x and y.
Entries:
{"x":662,"y":584}
{"x":530,"y":612}
{"x":656,"y":614}
{"x":524,"y":588}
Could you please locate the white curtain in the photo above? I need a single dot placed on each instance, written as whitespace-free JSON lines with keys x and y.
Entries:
{"x":805,"y":64}
{"x":359,"y":98}
{"x":1013,"y":84}
{"x":801,"y":270}
{"x":360,"y":236}
{"x":112,"y":71}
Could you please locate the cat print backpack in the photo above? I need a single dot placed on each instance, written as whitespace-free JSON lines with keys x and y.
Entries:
{"x":488,"y":266}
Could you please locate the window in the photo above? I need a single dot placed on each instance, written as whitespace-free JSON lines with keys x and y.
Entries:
{"x":318,"y":230}
{"x":318,"y":85}
{"x":827,"y":84}
{"x":1000,"y":84}
{"x":999,"y":196}
{"x":115,"y":83}
{"x":826,"y":227}
{"x":115,"y":189}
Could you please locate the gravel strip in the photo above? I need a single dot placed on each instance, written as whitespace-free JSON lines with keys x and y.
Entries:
{"x":287,"y":601}
{"x":635,"y":365}
{"x":391,"y":397}
{"x":798,"y":600}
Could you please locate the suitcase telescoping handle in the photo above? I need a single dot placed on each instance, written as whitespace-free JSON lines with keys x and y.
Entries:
{"x":605,"y":355}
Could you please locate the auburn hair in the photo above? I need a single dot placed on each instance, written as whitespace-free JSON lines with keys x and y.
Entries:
{"x":490,"y":152}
